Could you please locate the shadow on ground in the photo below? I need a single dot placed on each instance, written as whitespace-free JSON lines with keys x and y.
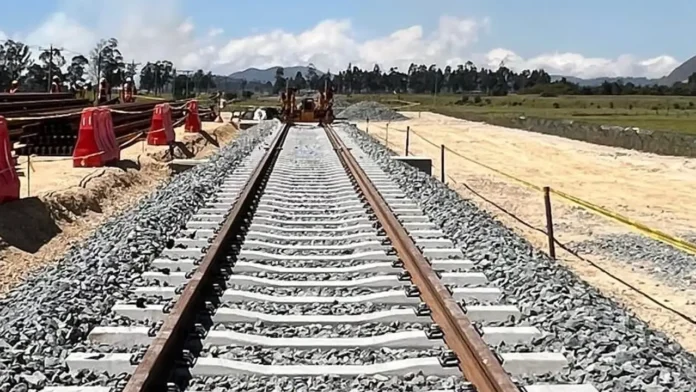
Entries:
{"x":26,"y":224}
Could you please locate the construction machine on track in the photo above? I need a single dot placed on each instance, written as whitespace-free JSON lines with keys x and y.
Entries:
{"x":309,"y":110}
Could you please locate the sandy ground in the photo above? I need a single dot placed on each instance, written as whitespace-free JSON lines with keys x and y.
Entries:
{"x":67,"y":204}
{"x":655,"y":190}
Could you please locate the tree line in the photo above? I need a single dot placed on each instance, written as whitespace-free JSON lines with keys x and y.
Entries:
{"x":105,"y":60}
{"x":467,"y":78}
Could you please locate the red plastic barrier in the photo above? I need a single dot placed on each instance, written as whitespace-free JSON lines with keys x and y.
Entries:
{"x":193,"y":120}
{"x":111,"y":147}
{"x":161,"y":129}
{"x":9,"y":180}
{"x":96,"y":142}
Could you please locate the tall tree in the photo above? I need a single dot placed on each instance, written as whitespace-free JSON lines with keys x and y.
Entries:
{"x":299,"y":82}
{"x":77,"y":68}
{"x":15,"y":59}
{"x":279,"y":80}
{"x":106,"y":61}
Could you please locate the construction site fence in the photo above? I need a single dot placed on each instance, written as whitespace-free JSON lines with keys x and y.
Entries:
{"x":633,"y":224}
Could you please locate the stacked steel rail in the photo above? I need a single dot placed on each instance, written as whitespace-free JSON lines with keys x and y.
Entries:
{"x":53,"y":132}
{"x":274,"y":198}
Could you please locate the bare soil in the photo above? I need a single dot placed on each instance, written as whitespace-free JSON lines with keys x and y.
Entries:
{"x":656,"y":190}
{"x":67,"y":204}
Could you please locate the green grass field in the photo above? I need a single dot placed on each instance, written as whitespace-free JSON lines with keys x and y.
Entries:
{"x":665,"y":113}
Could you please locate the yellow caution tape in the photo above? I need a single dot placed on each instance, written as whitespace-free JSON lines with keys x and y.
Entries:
{"x":648,"y":231}
{"x":637,"y":226}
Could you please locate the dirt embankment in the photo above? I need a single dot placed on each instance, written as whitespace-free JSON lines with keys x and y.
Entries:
{"x":67,"y":204}
{"x":656,"y":190}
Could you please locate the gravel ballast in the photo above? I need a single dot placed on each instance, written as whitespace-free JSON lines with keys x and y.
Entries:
{"x":653,"y":257}
{"x":412,"y":382}
{"x":604,"y":343}
{"x":370,"y":111}
{"x":52,"y":312}
{"x":318,"y":330}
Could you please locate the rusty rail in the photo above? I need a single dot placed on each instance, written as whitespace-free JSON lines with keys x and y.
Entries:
{"x":160,"y":358}
{"x":478,"y":364}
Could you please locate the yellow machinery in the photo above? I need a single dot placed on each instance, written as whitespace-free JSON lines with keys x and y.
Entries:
{"x":308,"y":110}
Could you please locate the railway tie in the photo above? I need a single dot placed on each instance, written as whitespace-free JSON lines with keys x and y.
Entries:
{"x":310,"y":262}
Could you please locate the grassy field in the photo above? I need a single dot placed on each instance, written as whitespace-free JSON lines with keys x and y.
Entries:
{"x":666,"y":113}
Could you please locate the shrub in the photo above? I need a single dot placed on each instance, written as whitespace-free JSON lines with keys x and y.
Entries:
{"x":556,"y":105}
{"x":477,"y":99}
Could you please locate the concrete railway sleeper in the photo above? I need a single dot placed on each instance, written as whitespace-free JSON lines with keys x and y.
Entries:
{"x":291,"y":270}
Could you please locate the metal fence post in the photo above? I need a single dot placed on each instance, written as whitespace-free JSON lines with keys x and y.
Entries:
{"x":442,"y":163}
{"x":549,"y":222}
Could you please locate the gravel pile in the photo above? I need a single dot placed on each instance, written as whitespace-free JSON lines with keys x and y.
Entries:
{"x":373,"y":111}
{"x":339,"y":104}
{"x":654,"y":257}
{"x":50,"y":315}
{"x":605,"y":344}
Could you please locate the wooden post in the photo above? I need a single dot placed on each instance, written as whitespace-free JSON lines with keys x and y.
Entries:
{"x":386,"y":138}
{"x":367,"y":127}
{"x":29,"y":175}
{"x":549,"y":222}
{"x":442,"y":163}
{"x":408,"y":134}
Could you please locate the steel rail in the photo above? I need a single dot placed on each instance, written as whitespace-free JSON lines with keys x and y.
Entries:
{"x":476,"y":361}
{"x":153,"y":371}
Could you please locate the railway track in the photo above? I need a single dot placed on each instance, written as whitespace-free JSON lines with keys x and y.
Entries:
{"x":310,"y":264}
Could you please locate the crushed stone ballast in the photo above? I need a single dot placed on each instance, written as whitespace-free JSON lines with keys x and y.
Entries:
{"x":311,"y":290}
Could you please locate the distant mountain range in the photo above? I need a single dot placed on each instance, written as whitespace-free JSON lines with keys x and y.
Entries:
{"x":268,"y":75}
{"x":594,"y":82}
{"x":681,"y":73}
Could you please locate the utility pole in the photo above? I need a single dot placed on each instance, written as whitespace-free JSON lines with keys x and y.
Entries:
{"x":50,"y":63}
{"x":187,"y":72}
{"x":133,"y":67}
{"x":50,"y":67}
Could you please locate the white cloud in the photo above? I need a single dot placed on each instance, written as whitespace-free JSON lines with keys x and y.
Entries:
{"x":214,"y":32}
{"x":157,"y":30}
{"x":573,"y":64}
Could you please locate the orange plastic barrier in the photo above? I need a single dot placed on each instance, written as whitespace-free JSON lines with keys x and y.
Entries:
{"x":193,"y":120}
{"x":96,"y":142}
{"x":161,"y":129}
{"x":9,"y":180}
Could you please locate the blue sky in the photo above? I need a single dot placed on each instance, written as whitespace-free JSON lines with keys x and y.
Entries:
{"x":591,"y":28}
